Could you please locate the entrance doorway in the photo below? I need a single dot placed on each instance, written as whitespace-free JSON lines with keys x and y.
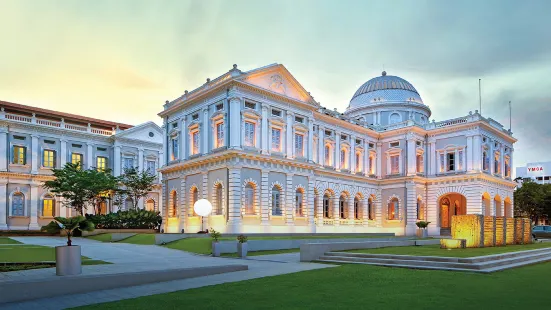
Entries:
{"x":449,"y":205}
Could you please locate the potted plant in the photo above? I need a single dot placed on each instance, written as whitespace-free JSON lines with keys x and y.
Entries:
{"x":68,"y":259}
{"x":242,"y":246}
{"x":422,"y":232}
{"x":215,"y":235}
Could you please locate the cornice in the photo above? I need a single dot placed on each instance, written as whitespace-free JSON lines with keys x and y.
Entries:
{"x":35,"y":128}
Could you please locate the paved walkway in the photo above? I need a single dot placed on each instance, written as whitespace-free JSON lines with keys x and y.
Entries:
{"x":131,"y":257}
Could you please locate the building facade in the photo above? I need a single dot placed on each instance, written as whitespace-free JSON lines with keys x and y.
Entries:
{"x":33,"y":141}
{"x":273,"y":160}
{"x":537,"y":172}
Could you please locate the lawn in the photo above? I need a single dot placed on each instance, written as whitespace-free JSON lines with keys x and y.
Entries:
{"x":435,"y":250}
{"x":203,"y":245}
{"x":101,"y":237}
{"x":148,"y":239}
{"x":5,"y":240}
{"x":364,"y":286}
{"x":268,"y":252}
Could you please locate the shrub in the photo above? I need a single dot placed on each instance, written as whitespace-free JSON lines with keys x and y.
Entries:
{"x":242,"y":238}
{"x":131,"y":219}
{"x":215,"y":235}
{"x":422,"y":224}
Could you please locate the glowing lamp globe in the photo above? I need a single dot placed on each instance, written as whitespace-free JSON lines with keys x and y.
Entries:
{"x":202,"y":207}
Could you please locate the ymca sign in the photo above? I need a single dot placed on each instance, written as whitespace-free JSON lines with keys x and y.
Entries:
{"x":537,"y":169}
{"x":533,"y":169}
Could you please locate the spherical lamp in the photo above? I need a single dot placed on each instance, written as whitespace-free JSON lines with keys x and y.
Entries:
{"x":202,"y":207}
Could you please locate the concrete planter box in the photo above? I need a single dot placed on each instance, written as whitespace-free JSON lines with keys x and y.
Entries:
{"x":422,"y":233}
{"x":68,"y":260}
{"x":242,"y":249}
{"x":124,"y":231}
{"x":215,"y":249}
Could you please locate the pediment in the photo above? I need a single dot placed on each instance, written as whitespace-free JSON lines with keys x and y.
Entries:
{"x":149,"y":132}
{"x":276,"y":78}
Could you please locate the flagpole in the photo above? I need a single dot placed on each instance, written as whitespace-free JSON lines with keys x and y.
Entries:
{"x":480,"y":95}
{"x":510,"y":115}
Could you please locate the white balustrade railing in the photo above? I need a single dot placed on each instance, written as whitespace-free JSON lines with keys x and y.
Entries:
{"x":50,"y":123}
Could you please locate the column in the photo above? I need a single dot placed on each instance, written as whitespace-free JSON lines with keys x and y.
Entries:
{"x":310,"y":140}
{"x":337,"y":157}
{"x":336,"y":209}
{"x":411,"y":155}
{"x":205,"y":194}
{"x":366,"y":169}
{"x":182,"y":212}
{"x":492,"y":157}
{"x":35,"y":201}
{"x":477,"y":152}
{"x":206,"y":132}
{"x":321,"y":146}
{"x":502,"y":160}
{"x":62,"y":152}
{"x":365,"y":213}
{"x":4,"y":150}
{"x":433,"y":157}
{"x":411,"y":209}
{"x":469,"y":153}
{"x":89,"y":155}
{"x":235,"y":123}
{"x":234,"y":200}
{"x":350,"y":202}
{"x":320,"y":210}
{"x":264,"y":198}
{"x":290,"y":199}
{"x":264,"y":131}
{"x":183,"y":139}
{"x":3,"y":204}
{"x":310,"y":201}
{"x":379,"y":160}
{"x":140,"y":160}
{"x":353,"y":154}
{"x":164,"y":152}
{"x":35,"y":154}
{"x":117,"y":160}
{"x":289,"y":135}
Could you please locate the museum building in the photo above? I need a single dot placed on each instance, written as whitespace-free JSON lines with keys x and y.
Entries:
{"x":33,"y":141}
{"x":271,"y":159}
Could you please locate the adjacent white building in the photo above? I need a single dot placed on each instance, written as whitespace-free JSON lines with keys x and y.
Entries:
{"x":271,"y":159}
{"x":35,"y":140}
{"x":538,"y":172}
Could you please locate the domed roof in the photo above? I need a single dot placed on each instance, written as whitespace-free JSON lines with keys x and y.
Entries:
{"x":385,"y":88}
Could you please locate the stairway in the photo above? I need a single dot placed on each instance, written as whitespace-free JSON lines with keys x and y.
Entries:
{"x":483,"y":264}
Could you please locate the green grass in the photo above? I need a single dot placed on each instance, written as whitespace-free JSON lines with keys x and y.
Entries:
{"x":259,"y":253}
{"x":34,"y":253}
{"x":4,"y":240}
{"x":148,"y":239}
{"x":101,"y":237}
{"x":435,"y":250}
{"x":203,"y":245}
{"x":364,"y":286}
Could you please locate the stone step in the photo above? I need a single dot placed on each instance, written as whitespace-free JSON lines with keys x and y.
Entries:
{"x":392,"y":262}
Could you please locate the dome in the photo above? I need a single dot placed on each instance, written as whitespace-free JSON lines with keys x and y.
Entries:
{"x":385,"y":88}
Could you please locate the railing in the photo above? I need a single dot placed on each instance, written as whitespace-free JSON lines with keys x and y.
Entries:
{"x":328,"y":222}
{"x":456,"y":121}
{"x":50,"y":123}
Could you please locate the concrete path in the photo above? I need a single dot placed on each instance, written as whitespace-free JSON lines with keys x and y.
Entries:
{"x":130,"y":257}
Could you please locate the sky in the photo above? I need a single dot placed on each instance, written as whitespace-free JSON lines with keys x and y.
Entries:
{"x":120,"y":60}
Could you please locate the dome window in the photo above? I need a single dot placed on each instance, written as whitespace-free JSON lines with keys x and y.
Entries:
{"x":393,"y":84}
{"x":395,"y":118}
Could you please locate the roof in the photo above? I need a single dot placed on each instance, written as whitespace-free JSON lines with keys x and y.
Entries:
{"x":16,"y":107}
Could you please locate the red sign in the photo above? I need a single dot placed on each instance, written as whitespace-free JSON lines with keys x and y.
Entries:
{"x":531,"y":169}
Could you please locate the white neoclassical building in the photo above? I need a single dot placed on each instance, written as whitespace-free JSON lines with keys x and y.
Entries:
{"x":272,"y":160}
{"x":35,"y":140}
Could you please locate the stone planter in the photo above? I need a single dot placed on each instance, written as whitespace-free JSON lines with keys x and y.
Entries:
{"x":215,"y":249}
{"x":424,"y":233}
{"x":242,"y":249}
{"x":68,"y":260}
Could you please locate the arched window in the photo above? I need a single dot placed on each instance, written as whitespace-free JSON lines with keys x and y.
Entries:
{"x":395,"y":118}
{"x":497,"y":164}
{"x":485,"y":161}
{"x":18,"y":205}
{"x":299,"y":203}
{"x":370,"y":209}
{"x":150,"y":205}
{"x":128,"y":204}
{"x":356,"y":208}
{"x":174,"y":206}
{"x":394,"y":209}
{"x":103,"y":207}
{"x":342,"y":207}
{"x":48,"y":206}
{"x":219,"y":199}
{"x":326,"y":206}
{"x":359,"y":162}
{"x":249,"y":199}
{"x":423,"y":120}
{"x":276,"y":201}
{"x":194,"y":198}
{"x":328,"y":155}
{"x":420,"y":210}
{"x":343,"y":159}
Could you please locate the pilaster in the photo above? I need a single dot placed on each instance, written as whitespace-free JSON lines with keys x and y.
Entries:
{"x":290,"y":199}
{"x":35,"y":154}
{"x":62,"y":152}
{"x":234,"y":200}
{"x":352,"y":154}
{"x":411,"y":209}
{"x":117,"y":160}
{"x":3,"y":204}
{"x":350,"y":205}
{"x":310,"y":140}
{"x":264,"y":198}
{"x":265,"y":139}
{"x":183,"y":139}
{"x":140,"y":160}
{"x":89,"y":155}
{"x":379,"y":160}
{"x":411,"y":155}
{"x":205,"y":132}
{"x":4,"y":154}
{"x":289,"y":135}
{"x":321,"y":146}
{"x":235,"y":122}
{"x":337,"y":157}
{"x":35,"y":201}
{"x":336,"y":209}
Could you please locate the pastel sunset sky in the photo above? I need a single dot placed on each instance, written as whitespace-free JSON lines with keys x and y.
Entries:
{"x":120,"y":60}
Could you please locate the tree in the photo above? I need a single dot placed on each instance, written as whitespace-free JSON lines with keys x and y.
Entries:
{"x":135,"y":184}
{"x":530,"y":200}
{"x":69,"y":224}
{"x":80,"y":187}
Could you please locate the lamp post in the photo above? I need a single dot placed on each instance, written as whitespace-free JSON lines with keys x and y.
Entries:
{"x":202,"y":207}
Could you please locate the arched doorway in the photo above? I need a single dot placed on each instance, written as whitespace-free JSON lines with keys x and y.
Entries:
{"x":497,"y":206}
{"x":449,"y":205}
{"x":508,"y":211}
{"x":486,"y":204}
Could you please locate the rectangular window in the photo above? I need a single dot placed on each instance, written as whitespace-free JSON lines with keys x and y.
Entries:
{"x":327,"y":156}
{"x":219,"y":106}
{"x":328,"y":133}
{"x":371,"y":165}
{"x":420,"y":163}
{"x":19,"y":138}
{"x":220,"y":134}
{"x":19,"y":155}
{"x":358,"y":162}
{"x":174,"y":146}
{"x":49,"y":141}
{"x":195,"y":143}
{"x":298,"y":203}
{"x":101,"y":163}
{"x":249,"y":199}
{"x":102,"y":149}
{"x":48,"y":210}
{"x":394,"y":144}
{"x":451,"y":161}
{"x":276,"y":113}
{"x":175,"y":125}
{"x":48,"y":159}
{"x":299,"y":145}
{"x":299,"y":119}
{"x":276,"y":140}
{"x":78,"y":146}
{"x":128,"y":163}
{"x":343,"y":160}
{"x":276,"y":203}
{"x":395,"y":164}
{"x":195,"y":116}
{"x":249,"y":133}
{"x":76,"y":159}
{"x":250,"y":105}
{"x":151,"y":166}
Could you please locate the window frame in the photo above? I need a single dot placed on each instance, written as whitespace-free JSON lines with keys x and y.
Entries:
{"x":53,"y":160}
{"x":22,"y":155}
{"x":98,"y":162}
